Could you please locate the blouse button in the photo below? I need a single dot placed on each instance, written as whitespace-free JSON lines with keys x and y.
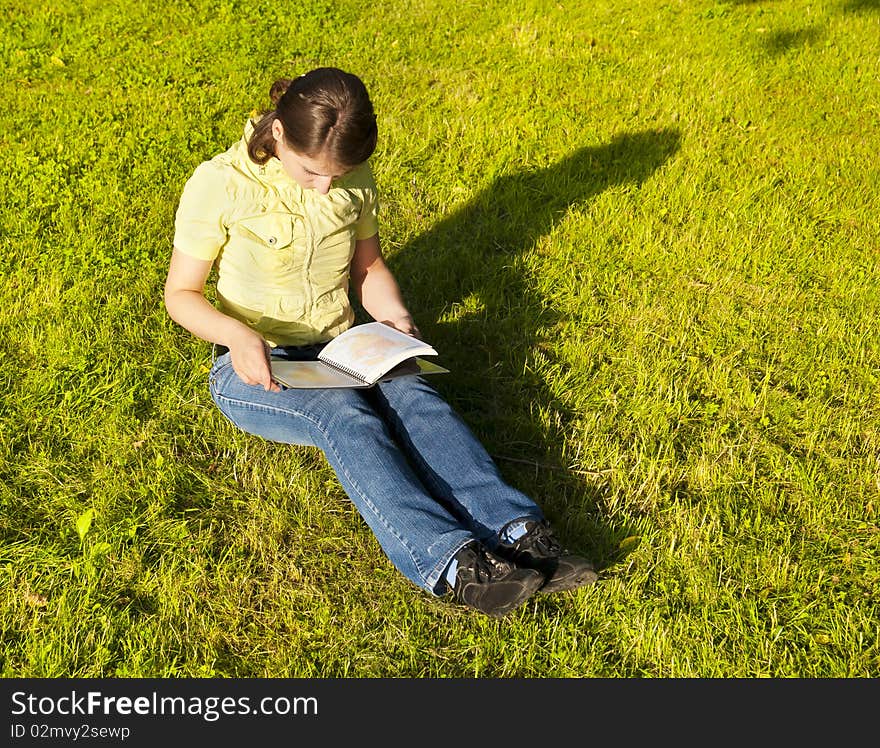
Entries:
{"x":272,"y":240}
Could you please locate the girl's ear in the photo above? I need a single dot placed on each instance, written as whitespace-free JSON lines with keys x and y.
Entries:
{"x":277,"y":130}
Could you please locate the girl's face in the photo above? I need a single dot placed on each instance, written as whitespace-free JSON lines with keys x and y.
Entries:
{"x":309,"y":173}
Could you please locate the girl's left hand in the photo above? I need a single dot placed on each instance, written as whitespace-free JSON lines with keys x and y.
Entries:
{"x":405,"y":324}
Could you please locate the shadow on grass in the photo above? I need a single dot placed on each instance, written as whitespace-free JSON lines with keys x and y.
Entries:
{"x":472,"y":254}
{"x":781,"y":42}
{"x":861,"y":6}
{"x":851,"y":6}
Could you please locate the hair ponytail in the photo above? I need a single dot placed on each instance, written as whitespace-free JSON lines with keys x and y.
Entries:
{"x":324,"y":112}
{"x":278,"y":90}
{"x":261,"y":145}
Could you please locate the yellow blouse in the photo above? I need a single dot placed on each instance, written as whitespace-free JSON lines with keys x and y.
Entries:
{"x":282,"y":252}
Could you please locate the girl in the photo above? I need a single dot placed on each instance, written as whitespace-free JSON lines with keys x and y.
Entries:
{"x":289,"y":216}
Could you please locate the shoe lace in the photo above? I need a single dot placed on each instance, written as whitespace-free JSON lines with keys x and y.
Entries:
{"x":541,"y":540}
{"x":487,"y":566}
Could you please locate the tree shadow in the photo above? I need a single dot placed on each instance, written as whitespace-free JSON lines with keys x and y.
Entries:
{"x":472,"y":255}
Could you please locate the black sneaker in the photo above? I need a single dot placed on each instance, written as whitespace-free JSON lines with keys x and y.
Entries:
{"x":490,"y":584}
{"x":539,"y":549}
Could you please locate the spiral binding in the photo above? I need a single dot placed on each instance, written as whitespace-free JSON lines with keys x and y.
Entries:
{"x":345,"y":369}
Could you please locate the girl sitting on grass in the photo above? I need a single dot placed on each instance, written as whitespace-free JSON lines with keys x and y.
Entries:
{"x":289,"y":216}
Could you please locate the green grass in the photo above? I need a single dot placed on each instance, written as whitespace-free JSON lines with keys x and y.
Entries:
{"x":643,"y":237}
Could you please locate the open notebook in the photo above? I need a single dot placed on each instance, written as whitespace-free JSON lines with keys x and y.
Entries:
{"x":360,"y":357}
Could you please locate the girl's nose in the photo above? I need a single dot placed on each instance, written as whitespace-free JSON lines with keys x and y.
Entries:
{"x":322,"y":184}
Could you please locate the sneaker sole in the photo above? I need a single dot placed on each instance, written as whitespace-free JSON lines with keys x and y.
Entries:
{"x":571,"y":583}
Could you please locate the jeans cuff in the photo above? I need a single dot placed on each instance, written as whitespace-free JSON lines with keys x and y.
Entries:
{"x":437,"y":577}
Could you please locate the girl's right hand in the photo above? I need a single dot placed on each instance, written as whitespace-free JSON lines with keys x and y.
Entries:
{"x":250,"y":360}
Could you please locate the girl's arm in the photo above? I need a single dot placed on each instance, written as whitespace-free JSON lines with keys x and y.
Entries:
{"x":186,"y":304}
{"x":376,"y":288}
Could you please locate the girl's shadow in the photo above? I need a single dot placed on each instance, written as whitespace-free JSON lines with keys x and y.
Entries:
{"x":469,"y":258}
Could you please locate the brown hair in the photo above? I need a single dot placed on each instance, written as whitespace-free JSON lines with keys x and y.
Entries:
{"x":325,"y":113}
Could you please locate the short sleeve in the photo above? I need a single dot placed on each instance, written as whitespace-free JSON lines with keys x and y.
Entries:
{"x":199,"y":229}
{"x":368,"y":221}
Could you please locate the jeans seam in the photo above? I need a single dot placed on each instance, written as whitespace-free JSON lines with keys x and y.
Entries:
{"x":380,"y":516}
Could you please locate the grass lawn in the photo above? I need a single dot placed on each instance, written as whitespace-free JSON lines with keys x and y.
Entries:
{"x":644,"y":238}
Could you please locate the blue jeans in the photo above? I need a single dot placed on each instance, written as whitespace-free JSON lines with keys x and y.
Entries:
{"x":419,"y":478}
